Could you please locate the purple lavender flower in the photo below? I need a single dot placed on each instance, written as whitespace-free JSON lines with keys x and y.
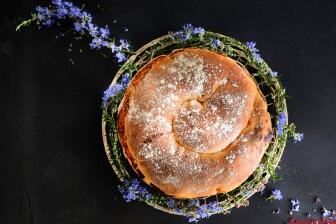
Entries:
{"x":124,"y":44}
{"x":48,"y":22}
{"x":198,"y":30}
{"x":130,"y":195}
{"x":214,"y":207}
{"x":282,"y":117}
{"x":96,"y":43}
{"x":295,"y":205}
{"x":281,"y":122}
{"x":125,"y":79}
{"x":274,"y":74}
{"x":135,"y":183}
{"x":298,"y":137}
{"x":171,"y":203}
{"x":185,"y":36}
{"x":254,"y":50}
{"x":202,"y":212}
{"x":62,"y":12}
{"x":181,"y":35}
{"x":216,"y":42}
{"x":68,"y":4}
{"x":188,"y":30}
{"x":78,"y":27}
{"x":193,"y":202}
{"x":114,"y":47}
{"x":93,"y":29}
{"x":82,"y":22}
{"x":120,"y":56}
{"x":104,"y":32}
{"x":57,"y":2}
{"x":258,"y":57}
{"x":276,"y":195}
{"x":105,"y":43}
{"x":43,"y":13}
{"x":86,"y":17}
{"x":75,"y":12}
{"x":188,"y":27}
{"x":178,"y":210}
{"x":148,"y":197}
{"x":111,"y":91}
{"x":132,"y":190}
{"x":140,"y":189}
{"x":252,"y":46}
{"x":144,"y":192}
{"x":39,"y":9}
{"x":192,"y":218}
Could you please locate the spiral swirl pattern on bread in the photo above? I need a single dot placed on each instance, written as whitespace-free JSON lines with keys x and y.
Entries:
{"x":193,"y":123}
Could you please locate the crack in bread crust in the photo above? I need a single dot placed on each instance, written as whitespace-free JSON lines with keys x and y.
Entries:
{"x":193,"y":123}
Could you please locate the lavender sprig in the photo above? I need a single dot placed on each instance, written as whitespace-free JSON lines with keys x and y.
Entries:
{"x":132,"y":190}
{"x":282,"y":120}
{"x":82,"y":24}
{"x":255,"y":51}
{"x":276,"y":195}
{"x":171,"y":203}
{"x":216,"y":42}
{"x":187,"y":31}
{"x":204,"y":211}
{"x":274,"y":74}
{"x":113,"y":90}
{"x":193,"y":203}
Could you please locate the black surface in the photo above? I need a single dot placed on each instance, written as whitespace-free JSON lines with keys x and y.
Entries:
{"x":53,"y":167}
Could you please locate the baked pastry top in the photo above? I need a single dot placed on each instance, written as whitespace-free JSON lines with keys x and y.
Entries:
{"x":193,"y":123}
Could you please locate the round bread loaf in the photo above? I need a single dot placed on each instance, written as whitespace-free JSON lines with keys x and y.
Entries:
{"x":193,"y":123}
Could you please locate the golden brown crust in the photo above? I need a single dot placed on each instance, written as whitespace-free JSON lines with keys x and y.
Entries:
{"x":193,"y":123}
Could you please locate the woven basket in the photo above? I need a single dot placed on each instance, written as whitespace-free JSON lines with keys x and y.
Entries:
{"x":269,"y":89}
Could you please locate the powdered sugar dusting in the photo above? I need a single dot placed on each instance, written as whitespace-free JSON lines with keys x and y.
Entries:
{"x":185,"y":109}
{"x":165,"y":155}
{"x":214,"y":120}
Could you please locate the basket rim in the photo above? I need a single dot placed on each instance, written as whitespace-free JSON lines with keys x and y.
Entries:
{"x":118,"y":75}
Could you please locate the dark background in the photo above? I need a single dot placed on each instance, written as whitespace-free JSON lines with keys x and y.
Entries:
{"x":54,"y":169}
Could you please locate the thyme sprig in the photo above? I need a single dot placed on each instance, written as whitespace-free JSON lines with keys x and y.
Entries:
{"x":83,"y":25}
